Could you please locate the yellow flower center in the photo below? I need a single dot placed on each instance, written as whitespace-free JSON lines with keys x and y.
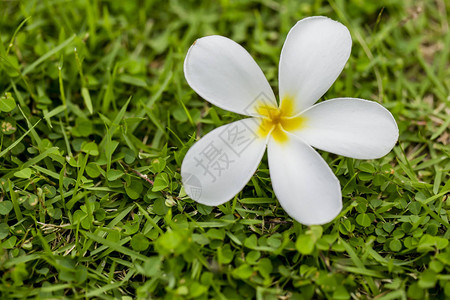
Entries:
{"x":278,"y":120}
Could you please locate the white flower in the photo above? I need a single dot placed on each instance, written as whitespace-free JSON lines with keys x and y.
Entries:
{"x":220,"y":164}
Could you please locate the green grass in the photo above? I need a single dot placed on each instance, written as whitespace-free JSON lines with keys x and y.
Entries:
{"x":96,"y":116}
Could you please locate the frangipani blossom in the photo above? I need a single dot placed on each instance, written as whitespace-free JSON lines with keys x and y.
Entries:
{"x":221,"y":163}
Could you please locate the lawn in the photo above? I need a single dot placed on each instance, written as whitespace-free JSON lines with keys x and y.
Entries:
{"x":96,"y":117}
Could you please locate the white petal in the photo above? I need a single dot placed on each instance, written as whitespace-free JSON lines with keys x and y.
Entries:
{"x":314,"y":54}
{"x":221,"y":163}
{"x":223,"y":73}
{"x":350,"y":127}
{"x":304,"y":184}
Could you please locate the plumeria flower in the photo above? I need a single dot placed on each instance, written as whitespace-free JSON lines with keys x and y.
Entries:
{"x":221,"y":163}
